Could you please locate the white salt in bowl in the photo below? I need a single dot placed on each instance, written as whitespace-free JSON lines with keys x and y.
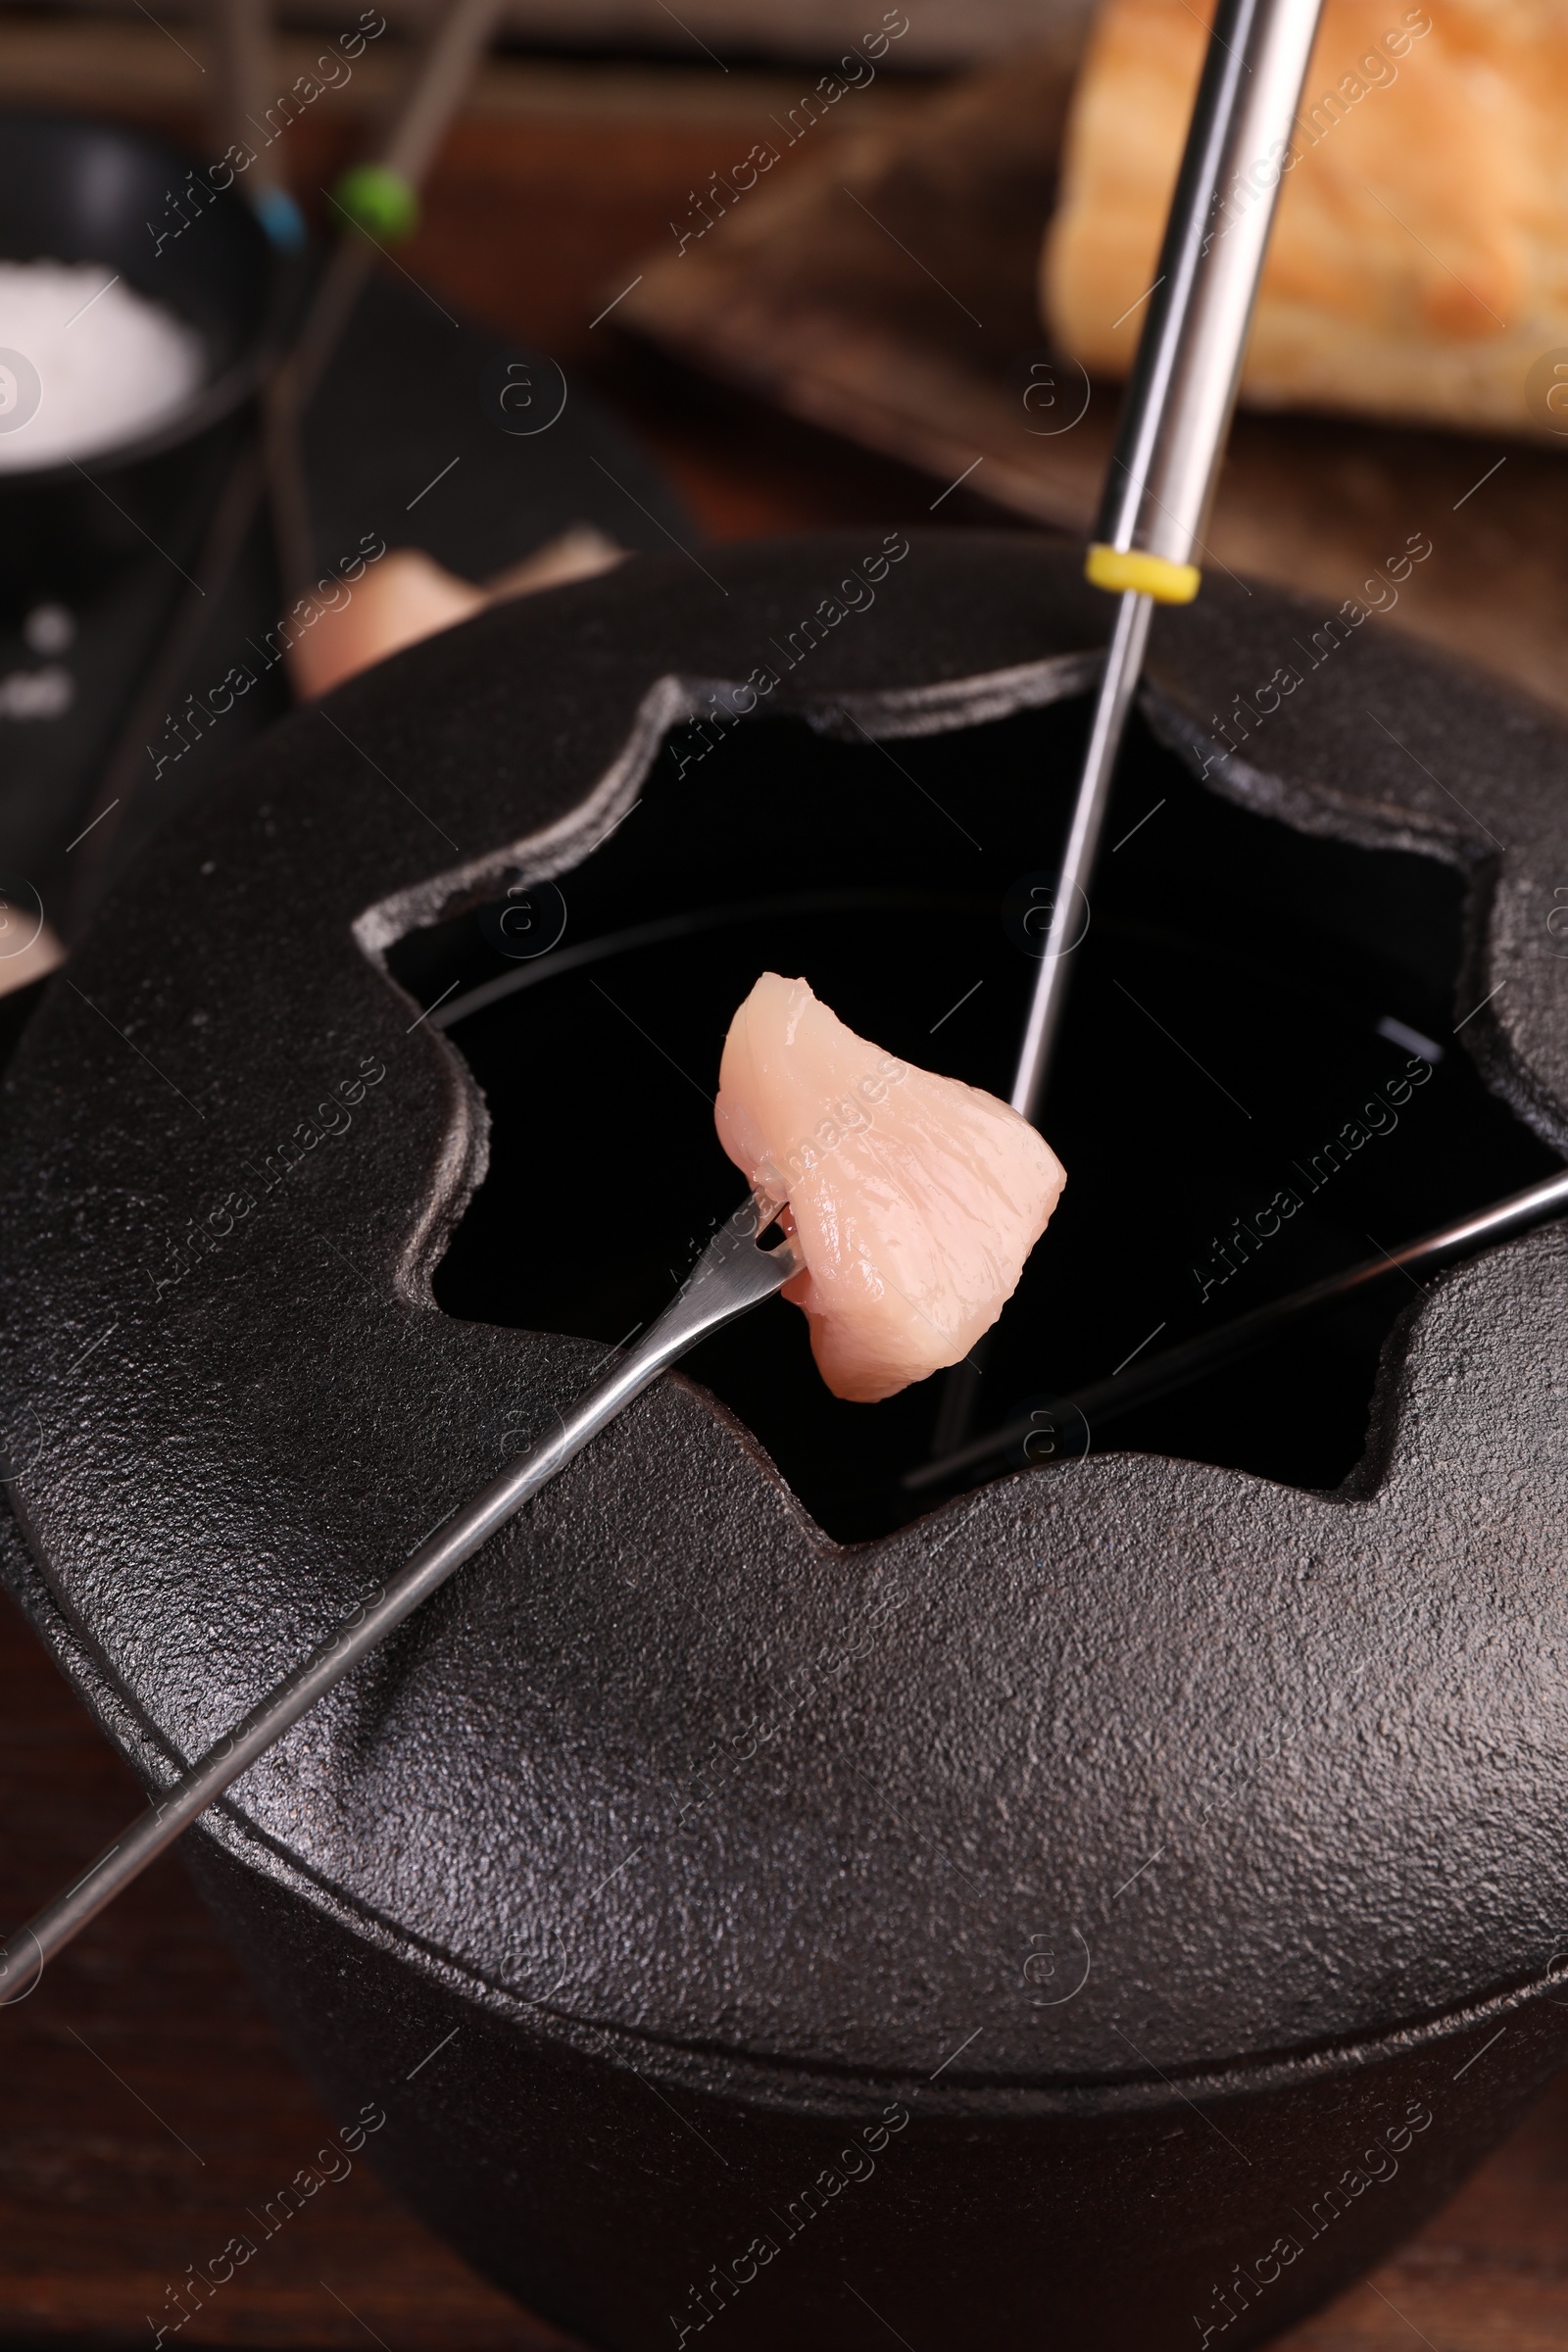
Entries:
{"x":88,"y":363}
{"x":137,"y":309}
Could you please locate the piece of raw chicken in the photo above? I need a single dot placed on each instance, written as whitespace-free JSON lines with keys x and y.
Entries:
{"x":404,"y":597}
{"x":915,"y":1199}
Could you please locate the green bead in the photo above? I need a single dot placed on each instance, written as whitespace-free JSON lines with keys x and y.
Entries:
{"x":380,"y":202}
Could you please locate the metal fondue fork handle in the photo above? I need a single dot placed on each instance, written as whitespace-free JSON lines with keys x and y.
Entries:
{"x":1175,"y":417}
{"x":733,"y":1275}
{"x":1161,"y":485}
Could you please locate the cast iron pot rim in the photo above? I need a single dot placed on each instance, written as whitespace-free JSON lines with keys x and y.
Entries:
{"x":220,"y":395}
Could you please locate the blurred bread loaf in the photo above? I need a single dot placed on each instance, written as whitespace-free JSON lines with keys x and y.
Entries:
{"x":1419,"y":266}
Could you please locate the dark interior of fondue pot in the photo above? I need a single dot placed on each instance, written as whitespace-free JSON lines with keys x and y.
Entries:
{"x":1259,"y":1081}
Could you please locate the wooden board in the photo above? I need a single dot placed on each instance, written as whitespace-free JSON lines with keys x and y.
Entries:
{"x":886,"y":290}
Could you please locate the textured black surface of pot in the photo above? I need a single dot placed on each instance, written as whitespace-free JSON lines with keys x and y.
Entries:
{"x":944,"y":1752}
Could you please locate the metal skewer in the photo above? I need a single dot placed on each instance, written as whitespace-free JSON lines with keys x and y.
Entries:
{"x":733,"y":1275}
{"x":269,"y":463}
{"x":1108,"y":1399}
{"x":242,"y":80}
{"x":460,"y":34}
{"x":1177,"y":412}
{"x":1166,"y":461}
{"x":1118,"y":682}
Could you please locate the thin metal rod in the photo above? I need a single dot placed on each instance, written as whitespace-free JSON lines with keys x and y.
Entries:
{"x":459,"y":37}
{"x":732,"y":1276}
{"x":1178,"y":407}
{"x":555,"y":963}
{"x":1170,"y":442}
{"x":1069,"y":920}
{"x":243,"y":79}
{"x":269,"y":465}
{"x":1118,"y":681}
{"x":1108,"y":1399}
{"x":286,"y":398}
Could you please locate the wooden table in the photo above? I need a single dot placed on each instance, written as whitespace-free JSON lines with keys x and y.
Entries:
{"x":147,"y":2100}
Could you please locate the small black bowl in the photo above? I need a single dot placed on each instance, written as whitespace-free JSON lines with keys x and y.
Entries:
{"x":75,"y":190}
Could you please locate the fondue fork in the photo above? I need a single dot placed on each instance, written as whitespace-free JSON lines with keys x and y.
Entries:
{"x":269,"y":466}
{"x":1169,"y":444}
{"x":1171,"y":438}
{"x":734,"y":1274}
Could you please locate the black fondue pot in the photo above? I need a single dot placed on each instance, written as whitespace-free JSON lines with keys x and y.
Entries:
{"x":1109,"y":1905}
